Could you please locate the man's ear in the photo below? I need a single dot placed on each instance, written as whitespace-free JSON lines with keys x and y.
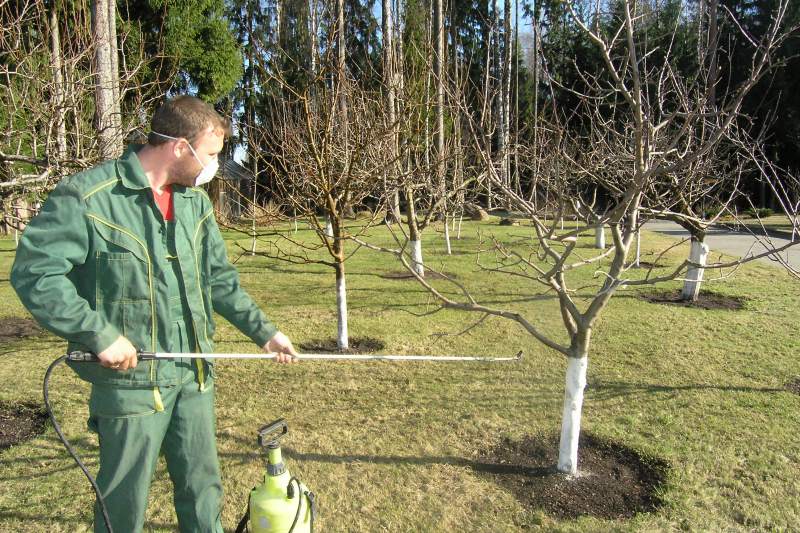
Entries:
{"x":178,"y":148}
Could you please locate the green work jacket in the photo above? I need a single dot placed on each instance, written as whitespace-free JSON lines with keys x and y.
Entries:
{"x":93,"y":265}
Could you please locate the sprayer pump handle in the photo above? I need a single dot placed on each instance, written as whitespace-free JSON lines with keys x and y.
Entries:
{"x":272,"y":432}
{"x":90,"y":357}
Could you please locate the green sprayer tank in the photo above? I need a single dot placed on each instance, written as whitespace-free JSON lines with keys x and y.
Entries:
{"x":281,"y":504}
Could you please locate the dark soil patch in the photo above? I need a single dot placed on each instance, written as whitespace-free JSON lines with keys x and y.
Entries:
{"x":358,"y":345}
{"x":20,"y":422}
{"x":404,"y":274}
{"x":705,"y":300}
{"x":793,"y":386}
{"x":614,"y":481}
{"x":12,"y":329}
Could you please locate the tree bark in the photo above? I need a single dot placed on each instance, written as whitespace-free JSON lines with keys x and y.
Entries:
{"x":109,"y":142}
{"x":391,"y":88}
{"x":114,"y":55}
{"x":505,"y":97}
{"x":439,"y":73}
{"x":59,"y":108}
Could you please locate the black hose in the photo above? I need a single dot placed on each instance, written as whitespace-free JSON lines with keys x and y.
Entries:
{"x":309,"y":496}
{"x":68,"y":446}
{"x":299,"y":501}
{"x":242,"y":527}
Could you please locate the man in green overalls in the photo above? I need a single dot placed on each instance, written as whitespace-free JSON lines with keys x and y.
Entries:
{"x":127,"y":256}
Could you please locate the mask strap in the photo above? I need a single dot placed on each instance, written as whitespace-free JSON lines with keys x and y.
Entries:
{"x":178,"y":139}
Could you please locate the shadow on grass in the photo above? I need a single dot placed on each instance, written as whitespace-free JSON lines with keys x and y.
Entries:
{"x":41,"y":342}
{"x":478,"y":466}
{"x":606,"y":390}
{"x":299,"y":270}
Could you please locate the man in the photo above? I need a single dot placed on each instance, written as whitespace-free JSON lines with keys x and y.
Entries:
{"x":127,"y":256}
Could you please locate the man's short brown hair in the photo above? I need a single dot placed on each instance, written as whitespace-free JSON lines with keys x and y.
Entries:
{"x":185,"y":116}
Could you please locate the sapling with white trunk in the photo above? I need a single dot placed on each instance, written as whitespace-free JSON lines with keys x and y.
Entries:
{"x":331,"y":146}
{"x":600,"y":237}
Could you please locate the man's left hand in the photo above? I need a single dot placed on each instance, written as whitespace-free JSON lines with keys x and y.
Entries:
{"x":282,"y":347}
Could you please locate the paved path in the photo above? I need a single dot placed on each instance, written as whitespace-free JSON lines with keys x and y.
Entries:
{"x":731,"y":242}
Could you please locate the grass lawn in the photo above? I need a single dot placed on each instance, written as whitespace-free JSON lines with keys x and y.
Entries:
{"x":391,"y":446}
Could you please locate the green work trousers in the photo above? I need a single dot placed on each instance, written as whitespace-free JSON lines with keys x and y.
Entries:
{"x":132,"y":434}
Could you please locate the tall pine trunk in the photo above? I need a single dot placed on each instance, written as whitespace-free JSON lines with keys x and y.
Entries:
{"x":440,"y":163}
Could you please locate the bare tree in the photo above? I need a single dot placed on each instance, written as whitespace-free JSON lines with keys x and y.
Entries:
{"x":631,"y":160}
{"x":326,"y":166}
{"x":47,"y":98}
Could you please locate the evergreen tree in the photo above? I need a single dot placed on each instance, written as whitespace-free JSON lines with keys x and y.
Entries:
{"x":190,"y":42}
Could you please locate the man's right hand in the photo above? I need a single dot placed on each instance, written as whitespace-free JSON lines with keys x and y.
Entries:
{"x":121,"y":355}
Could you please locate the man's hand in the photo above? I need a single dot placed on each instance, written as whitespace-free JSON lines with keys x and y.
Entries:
{"x":121,"y":355}
{"x":282,"y":347}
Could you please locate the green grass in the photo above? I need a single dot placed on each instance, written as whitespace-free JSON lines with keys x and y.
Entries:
{"x":387,"y":446}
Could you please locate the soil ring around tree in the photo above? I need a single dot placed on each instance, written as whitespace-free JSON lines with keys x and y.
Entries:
{"x":14,"y":328}
{"x":358,"y":345}
{"x":20,"y":422}
{"x":705,"y":300}
{"x":405,"y":275}
{"x":614,"y":482}
{"x":793,"y":386}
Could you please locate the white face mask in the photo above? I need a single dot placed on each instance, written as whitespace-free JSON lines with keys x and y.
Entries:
{"x":207,"y":173}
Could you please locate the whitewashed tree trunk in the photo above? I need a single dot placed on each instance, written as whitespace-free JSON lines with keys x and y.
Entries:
{"x":342,"y":339}
{"x":600,"y":237}
{"x":694,"y":277}
{"x":416,"y":257}
{"x":458,"y":232}
{"x":329,"y":228}
{"x":637,"y":259}
{"x":575,"y":383}
{"x":253,"y":228}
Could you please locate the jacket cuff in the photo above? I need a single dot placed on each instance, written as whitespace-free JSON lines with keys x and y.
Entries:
{"x":263,"y":334}
{"x":102,"y":339}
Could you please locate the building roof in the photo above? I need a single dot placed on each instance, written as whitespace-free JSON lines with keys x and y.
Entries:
{"x":230,"y":170}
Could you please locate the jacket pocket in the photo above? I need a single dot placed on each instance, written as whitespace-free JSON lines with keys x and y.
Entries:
{"x":121,"y":277}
